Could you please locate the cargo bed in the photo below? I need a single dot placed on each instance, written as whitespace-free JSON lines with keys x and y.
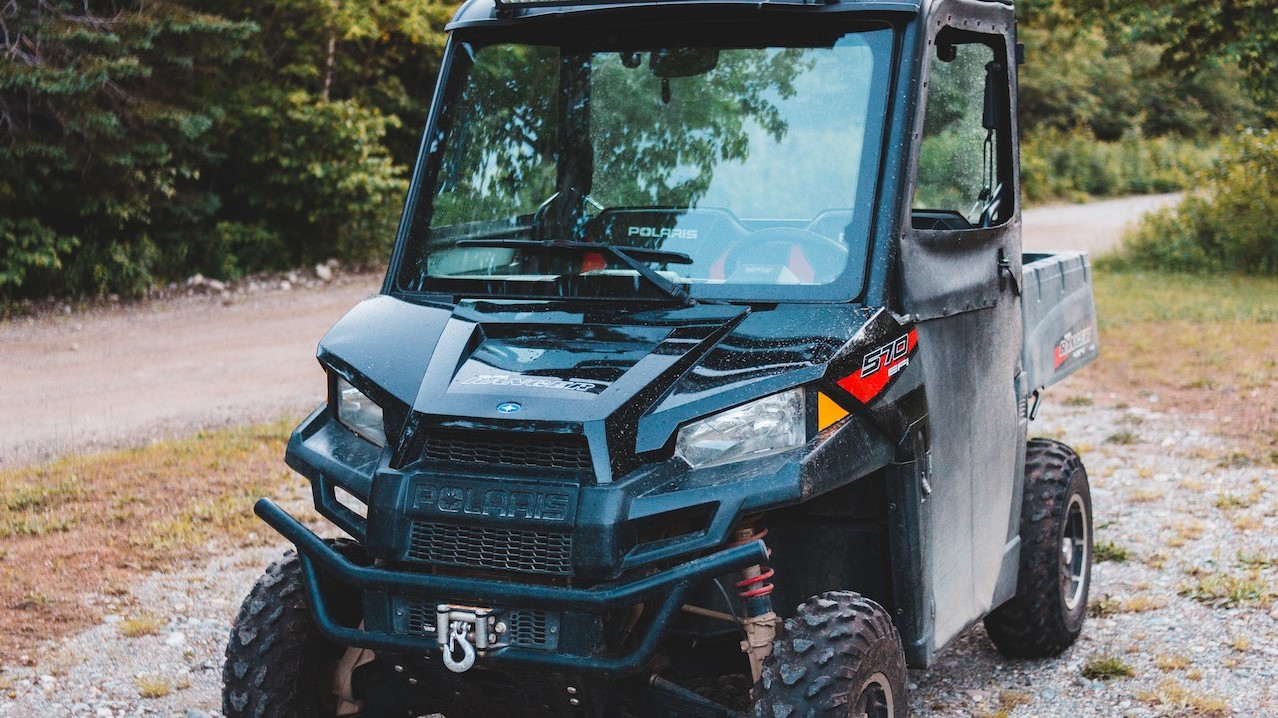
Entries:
{"x":1058,"y":316}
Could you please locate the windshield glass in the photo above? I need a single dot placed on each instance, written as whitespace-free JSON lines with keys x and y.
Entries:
{"x":731,"y":172}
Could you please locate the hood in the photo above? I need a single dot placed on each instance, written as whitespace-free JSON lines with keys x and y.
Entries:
{"x":587,"y":368}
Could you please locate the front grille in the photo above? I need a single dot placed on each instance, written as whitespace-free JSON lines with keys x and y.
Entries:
{"x":491,"y":548}
{"x":525,"y":627}
{"x":539,"y":451}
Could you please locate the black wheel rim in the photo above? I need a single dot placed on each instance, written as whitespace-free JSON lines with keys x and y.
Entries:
{"x":875,"y":699}
{"x":1075,"y":547}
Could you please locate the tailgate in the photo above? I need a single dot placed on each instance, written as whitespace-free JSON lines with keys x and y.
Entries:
{"x":1059,"y":317}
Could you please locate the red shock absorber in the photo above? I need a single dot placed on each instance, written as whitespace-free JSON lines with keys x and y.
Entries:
{"x":760,"y":621}
{"x":754,"y":581}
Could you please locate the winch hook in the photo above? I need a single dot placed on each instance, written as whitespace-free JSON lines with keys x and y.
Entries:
{"x":457,"y":641}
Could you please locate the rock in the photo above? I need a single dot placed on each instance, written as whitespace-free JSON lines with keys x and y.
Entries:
{"x":324,"y":272}
{"x":175,"y":639}
{"x":196,"y":713}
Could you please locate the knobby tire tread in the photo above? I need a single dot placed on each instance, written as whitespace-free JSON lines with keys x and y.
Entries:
{"x":824,"y":652}
{"x":1035,"y":622}
{"x":271,"y":640}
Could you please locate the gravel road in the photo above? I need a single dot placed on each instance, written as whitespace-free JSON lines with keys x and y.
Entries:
{"x":1161,"y":488}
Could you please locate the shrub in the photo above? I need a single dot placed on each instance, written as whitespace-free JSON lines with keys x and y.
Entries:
{"x":1229,"y":225}
{"x":1075,"y":165}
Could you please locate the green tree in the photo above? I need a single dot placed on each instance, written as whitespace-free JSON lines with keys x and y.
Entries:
{"x":144,"y":141}
{"x":104,"y":121}
{"x":1113,"y":79}
{"x":1196,"y":33}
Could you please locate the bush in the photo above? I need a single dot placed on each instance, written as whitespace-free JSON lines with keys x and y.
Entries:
{"x":142,"y":142}
{"x":1075,"y":166}
{"x":1229,"y":225}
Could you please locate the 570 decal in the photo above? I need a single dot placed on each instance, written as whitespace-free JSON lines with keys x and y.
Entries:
{"x":879,"y":366}
{"x":893,"y":357}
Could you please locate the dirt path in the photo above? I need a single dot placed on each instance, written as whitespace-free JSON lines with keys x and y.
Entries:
{"x":113,"y":377}
{"x":121,"y":376}
{"x":1094,"y":228}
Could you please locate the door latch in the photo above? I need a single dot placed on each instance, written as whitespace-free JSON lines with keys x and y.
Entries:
{"x":1005,"y":269}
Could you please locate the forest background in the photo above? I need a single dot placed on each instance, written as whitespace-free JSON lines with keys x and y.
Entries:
{"x":143,"y":141}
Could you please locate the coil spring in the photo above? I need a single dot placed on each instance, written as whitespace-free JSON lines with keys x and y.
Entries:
{"x":755,"y":583}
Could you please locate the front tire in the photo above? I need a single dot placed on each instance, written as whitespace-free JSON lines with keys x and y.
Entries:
{"x":278,"y":664}
{"x":839,"y":655}
{"x":1046,"y":615}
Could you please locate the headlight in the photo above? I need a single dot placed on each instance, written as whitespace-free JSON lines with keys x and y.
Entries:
{"x":359,"y":414}
{"x":767,"y":426}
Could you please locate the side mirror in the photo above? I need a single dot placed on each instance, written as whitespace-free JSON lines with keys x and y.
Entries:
{"x":995,"y":84}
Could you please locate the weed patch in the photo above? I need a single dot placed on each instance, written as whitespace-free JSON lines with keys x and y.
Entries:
{"x":1230,"y":589}
{"x":1106,"y":550}
{"x":154,"y":686}
{"x":1122,"y":437}
{"x":1106,"y":667}
{"x":1177,"y":699}
{"x":98,"y":519}
{"x":143,"y":624}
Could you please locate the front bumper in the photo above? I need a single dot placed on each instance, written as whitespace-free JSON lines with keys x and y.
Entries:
{"x":666,"y":588}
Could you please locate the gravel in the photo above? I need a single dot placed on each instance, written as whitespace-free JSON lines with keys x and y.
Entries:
{"x":1165,"y":488}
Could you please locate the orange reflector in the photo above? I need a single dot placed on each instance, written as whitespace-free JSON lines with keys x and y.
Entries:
{"x":828,"y":413}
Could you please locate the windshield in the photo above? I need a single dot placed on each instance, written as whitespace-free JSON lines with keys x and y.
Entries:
{"x":729,"y":172}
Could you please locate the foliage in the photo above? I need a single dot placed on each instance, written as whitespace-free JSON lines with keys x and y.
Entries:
{"x":141,"y":142}
{"x":1112,"y":80}
{"x":1195,"y":33}
{"x":1230,"y":224}
{"x":105,"y":132}
{"x":1074,"y":165}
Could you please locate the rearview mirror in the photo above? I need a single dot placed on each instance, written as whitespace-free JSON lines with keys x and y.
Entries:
{"x":683,"y":61}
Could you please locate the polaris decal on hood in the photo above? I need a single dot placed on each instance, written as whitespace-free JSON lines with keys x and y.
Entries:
{"x":536,"y":382}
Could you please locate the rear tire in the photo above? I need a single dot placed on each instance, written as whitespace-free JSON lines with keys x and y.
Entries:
{"x":1046,"y":615}
{"x":278,"y":664}
{"x":839,"y":656}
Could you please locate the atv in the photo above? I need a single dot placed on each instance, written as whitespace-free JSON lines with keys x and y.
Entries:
{"x":699,"y":383}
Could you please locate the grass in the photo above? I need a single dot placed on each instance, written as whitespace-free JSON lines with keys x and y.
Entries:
{"x":1106,"y":550}
{"x":1193,"y":342}
{"x":1176,"y":699}
{"x":1106,"y":667}
{"x":97,"y":520}
{"x":1008,"y":701}
{"x":1128,"y":298}
{"x":1227,"y":501}
{"x":160,"y":686}
{"x":1142,"y":604}
{"x":1230,"y":589}
{"x":143,"y":624}
{"x":1172,"y":662}
{"x":1122,"y":437}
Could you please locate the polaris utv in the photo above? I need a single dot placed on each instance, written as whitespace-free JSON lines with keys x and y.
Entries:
{"x":699,"y":382}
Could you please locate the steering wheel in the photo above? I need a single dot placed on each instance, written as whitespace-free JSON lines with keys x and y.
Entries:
{"x":567,"y":195}
{"x":824,"y":257}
